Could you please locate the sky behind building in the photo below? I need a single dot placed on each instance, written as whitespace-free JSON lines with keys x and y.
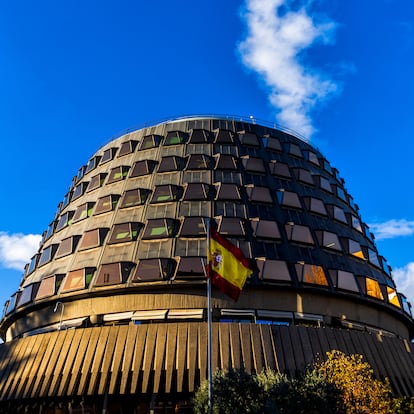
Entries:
{"x":75,"y":74}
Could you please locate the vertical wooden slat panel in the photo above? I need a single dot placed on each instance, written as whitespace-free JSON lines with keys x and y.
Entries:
{"x":79,"y":360}
{"x":16,"y":351}
{"x":333,"y":344}
{"x":181,"y":355}
{"x":51,"y":365}
{"x":286,"y":344}
{"x":246,"y":346}
{"x":323,"y":341}
{"x":87,"y":362}
{"x":339,"y":336}
{"x":170,"y":355}
{"x":271,"y":349}
{"x":192,"y":354}
{"x":235,"y":346}
{"x":118,"y":355}
{"x":403,"y":360}
{"x":97,"y":360}
{"x":107,"y":359}
{"x":159,"y":357}
{"x":127,"y":367}
{"x":148,"y":362}
{"x":70,"y":360}
{"x":317,"y":351}
{"x":224,"y":344}
{"x":60,"y":363}
{"x":25,"y":367}
{"x":307,"y":350}
{"x":202,"y":350}
{"x":257,"y":350}
{"x":52,"y":339}
{"x":137,"y":366}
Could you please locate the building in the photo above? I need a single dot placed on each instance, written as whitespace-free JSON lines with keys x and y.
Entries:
{"x":111,"y":311}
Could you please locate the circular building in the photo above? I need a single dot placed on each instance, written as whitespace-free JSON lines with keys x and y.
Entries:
{"x":111,"y":312}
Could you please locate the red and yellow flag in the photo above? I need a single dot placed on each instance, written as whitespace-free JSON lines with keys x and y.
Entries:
{"x":228,"y":267}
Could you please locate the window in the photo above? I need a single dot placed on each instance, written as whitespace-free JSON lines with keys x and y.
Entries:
{"x":253,"y":164}
{"x":150,"y":141}
{"x":175,"y":137}
{"x":229,"y":208}
{"x":124,"y":232}
{"x":64,"y":220}
{"x":303,"y":176}
{"x":27,"y":294}
{"x":315,"y":205}
{"x":198,"y":162}
{"x":92,"y":164}
{"x":339,"y":214}
{"x":108,"y":155}
{"x":106,"y":204}
{"x":153,"y":270}
{"x":312,"y":157}
{"x":294,"y":149}
{"x":393,"y":297}
{"x":79,"y":190}
{"x":273,"y":270}
{"x":66,"y":200}
{"x":197,"y":191}
{"x":298,"y":233}
{"x":327,"y":167}
{"x":193,"y":227}
{"x":266,"y":229}
{"x":135,"y":197}
{"x":288,"y":199}
{"x":143,"y":167}
{"x":32,"y":264}
{"x":170,"y":163}
{"x":49,"y":286}
{"x":225,"y":162}
{"x":67,"y":246}
{"x":190,"y":268}
{"x":199,"y":136}
{"x":373,"y":258}
{"x":166,"y":193}
{"x":249,"y":139}
{"x":47,"y":254}
{"x":328,"y":240}
{"x":81,"y":173}
{"x":312,"y":274}
{"x":78,"y":279}
{"x":279,"y":169}
{"x":272,"y":143}
{"x":227,"y":191}
{"x":356,"y":224}
{"x":324,"y":184}
{"x":231,"y":226}
{"x":354,"y":248}
{"x":113,"y":273}
{"x":82,"y":212}
{"x":373,"y":288}
{"x":127,"y":147}
{"x":96,"y":182}
{"x":50,"y":230}
{"x":405,"y":304}
{"x":224,"y":136}
{"x":344,"y":280}
{"x":118,"y":174}
{"x":159,"y":229}
{"x":259,"y":194}
{"x":93,"y":238}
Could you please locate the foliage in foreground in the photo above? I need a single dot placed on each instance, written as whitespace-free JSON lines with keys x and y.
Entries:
{"x":339,"y":385}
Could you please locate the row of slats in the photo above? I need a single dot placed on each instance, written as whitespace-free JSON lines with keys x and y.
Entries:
{"x":172,"y":357}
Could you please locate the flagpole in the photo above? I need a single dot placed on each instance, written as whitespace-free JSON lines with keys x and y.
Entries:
{"x":209,"y":326}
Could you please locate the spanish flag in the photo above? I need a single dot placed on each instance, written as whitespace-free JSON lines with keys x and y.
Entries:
{"x":228,"y":267}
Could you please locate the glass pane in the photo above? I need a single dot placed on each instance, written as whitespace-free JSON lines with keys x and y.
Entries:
{"x":82,"y":212}
{"x":96,"y":182}
{"x":325,"y":184}
{"x":309,"y":273}
{"x":154,"y":270}
{"x":317,"y":206}
{"x":159,"y":228}
{"x":196,"y":191}
{"x":26,"y":295}
{"x":331,"y":241}
{"x":65,"y":220}
{"x":298,"y":233}
{"x":393,"y":297}
{"x":150,"y":141}
{"x":279,"y":169}
{"x":164,"y":193}
{"x":175,"y":137}
{"x":92,"y":164}
{"x":273,"y":270}
{"x":92,"y":238}
{"x":254,"y":165}
{"x":356,"y":224}
{"x":171,"y":163}
{"x":47,"y":255}
{"x":46,"y":288}
{"x":304,"y":176}
{"x":272,"y":144}
{"x":199,"y":136}
{"x":108,"y":155}
{"x":249,"y":138}
{"x":226,"y":162}
{"x":373,"y":258}
{"x":231,"y":226}
{"x":190,"y":268}
{"x":265,"y":229}
{"x":66,"y":247}
{"x":79,"y":190}
{"x":124,"y":232}
{"x":289,"y":199}
{"x":198,"y":162}
{"x":127,"y":148}
{"x":339,"y":214}
{"x":118,"y":174}
{"x":259,"y":194}
{"x":355,"y":249}
{"x":105,"y":204}
{"x":227,"y":191}
{"x":295,"y":150}
{"x":346,"y":280}
{"x":134,"y":197}
{"x":143,"y":168}
{"x":224,"y":136}
{"x":113,"y":273}
{"x":193,"y":227}
{"x":373,"y":289}
{"x":75,"y":280}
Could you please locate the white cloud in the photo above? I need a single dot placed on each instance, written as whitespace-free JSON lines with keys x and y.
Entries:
{"x":17,"y":249}
{"x":276,"y":38}
{"x":404,"y":279}
{"x":392,"y":228}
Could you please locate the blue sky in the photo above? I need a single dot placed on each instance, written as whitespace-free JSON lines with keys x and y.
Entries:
{"x":74,"y":74}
